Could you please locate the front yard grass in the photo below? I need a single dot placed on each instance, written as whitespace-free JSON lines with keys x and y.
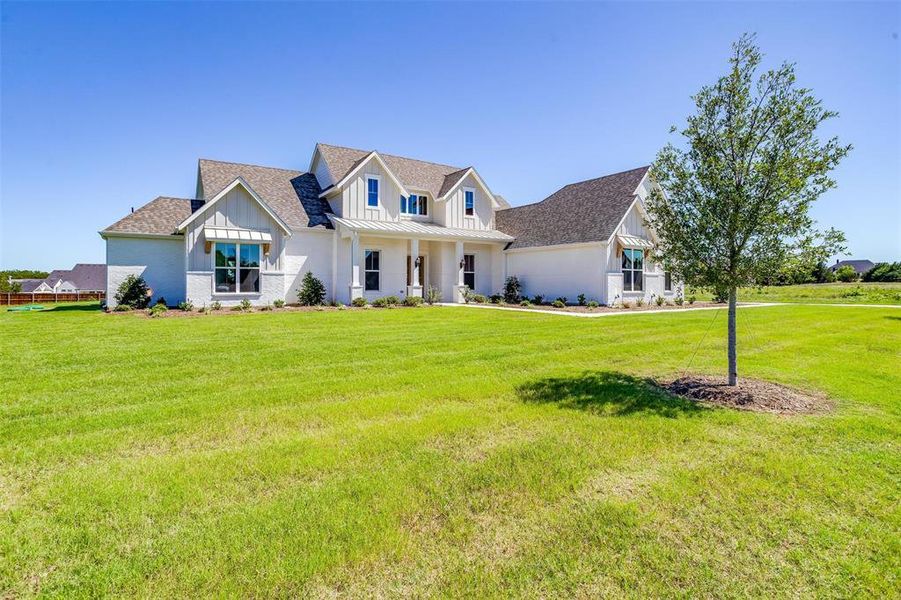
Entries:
{"x":443,"y":451}
{"x":826,"y":293}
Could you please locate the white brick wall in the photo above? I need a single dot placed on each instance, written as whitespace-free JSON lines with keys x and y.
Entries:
{"x":161,"y":262}
{"x":200,"y":290}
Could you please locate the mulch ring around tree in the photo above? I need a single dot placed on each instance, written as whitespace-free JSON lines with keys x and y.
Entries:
{"x":750,"y":394}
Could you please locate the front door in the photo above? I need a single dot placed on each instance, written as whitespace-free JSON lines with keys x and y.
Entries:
{"x":421,"y":271}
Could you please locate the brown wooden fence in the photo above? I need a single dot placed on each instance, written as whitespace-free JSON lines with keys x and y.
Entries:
{"x":38,"y":298}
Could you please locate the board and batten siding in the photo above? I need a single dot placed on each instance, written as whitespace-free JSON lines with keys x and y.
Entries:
{"x":237,"y":210}
{"x":451,"y":211}
{"x":355,"y":193}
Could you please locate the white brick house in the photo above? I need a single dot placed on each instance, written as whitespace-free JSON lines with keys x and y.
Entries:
{"x":370,"y":224}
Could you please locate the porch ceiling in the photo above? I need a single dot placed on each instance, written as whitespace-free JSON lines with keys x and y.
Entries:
{"x":426,"y":231}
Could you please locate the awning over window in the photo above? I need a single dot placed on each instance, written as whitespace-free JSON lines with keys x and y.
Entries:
{"x":630,"y":241}
{"x":219,"y":234}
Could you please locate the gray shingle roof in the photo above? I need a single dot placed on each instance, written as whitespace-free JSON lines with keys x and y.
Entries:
{"x":84,"y":276}
{"x":28,"y":285}
{"x":588,"y":211}
{"x":160,"y":216}
{"x":860,"y":266}
{"x":414,"y":174}
{"x":293,"y":195}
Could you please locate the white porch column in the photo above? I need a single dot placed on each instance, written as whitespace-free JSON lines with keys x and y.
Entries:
{"x":356,"y":290}
{"x":414,"y":289}
{"x":458,"y":265}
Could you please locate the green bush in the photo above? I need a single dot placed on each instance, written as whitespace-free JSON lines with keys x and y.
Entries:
{"x":432,"y":295}
{"x":559,"y":303}
{"x":133,"y":292}
{"x":186,"y":306}
{"x":884,"y":272}
{"x":123,"y":308}
{"x":495,"y":298}
{"x":479,"y":298}
{"x":392,"y":300}
{"x":581,"y":299}
{"x":467,"y":294}
{"x":312,"y":291}
{"x":158,"y":309}
{"x":161,"y":300}
{"x":278,"y":303}
{"x":680,"y":300}
{"x":512,"y":290}
{"x":525,"y":303}
{"x":537,"y":299}
{"x":692,"y":299}
{"x":380,"y":302}
{"x":359,"y":302}
{"x":413,"y":301}
{"x":593,"y":304}
{"x":639,"y":301}
{"x":216,"y":305}
{"x":659,"y":300}
{"x":560,"y":299}
{"x":846,"y":274}
{"x":244,"y":305}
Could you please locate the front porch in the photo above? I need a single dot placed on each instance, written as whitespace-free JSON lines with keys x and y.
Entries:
{"x":409,"y":258}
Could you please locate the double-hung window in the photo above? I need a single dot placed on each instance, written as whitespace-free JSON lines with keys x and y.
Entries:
{"x":415,"y":204}
{"x":633,"y":269}
{"x":469,"y":271}
{"x":469,"y":202}
{"x":372,"y":191}
{"x":371,"y":271}
{"x":237,"y":268}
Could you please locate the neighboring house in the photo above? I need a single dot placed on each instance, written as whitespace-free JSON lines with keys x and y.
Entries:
{"x":859,"y":266}
{"x":83,"y":277}
{"x":29,"y":286}
{"x":371,"y":224}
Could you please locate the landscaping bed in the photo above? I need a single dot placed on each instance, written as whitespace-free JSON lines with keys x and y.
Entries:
{"x":750,"y":394}
{"x":601,"y":308}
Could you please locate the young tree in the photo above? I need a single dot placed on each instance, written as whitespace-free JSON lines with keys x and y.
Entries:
{"x":312,"y":291}
{"x":737,"y":195}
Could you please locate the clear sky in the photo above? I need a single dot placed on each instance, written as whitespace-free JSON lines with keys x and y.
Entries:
{"x":106,"y":106}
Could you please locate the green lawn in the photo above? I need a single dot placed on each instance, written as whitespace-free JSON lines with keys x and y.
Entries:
{"x":443,"y":452}
{"x":828,"y":293}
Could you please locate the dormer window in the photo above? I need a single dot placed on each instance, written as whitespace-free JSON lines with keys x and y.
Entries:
{"x":469,"y":202}
{"x":415,"y":204}
{"x":372,"y":189}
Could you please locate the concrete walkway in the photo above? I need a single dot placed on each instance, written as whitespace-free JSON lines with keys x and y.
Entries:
{"x":593,"y":315}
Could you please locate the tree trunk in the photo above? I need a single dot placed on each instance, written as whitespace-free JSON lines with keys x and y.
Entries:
{"x":733,"y":356}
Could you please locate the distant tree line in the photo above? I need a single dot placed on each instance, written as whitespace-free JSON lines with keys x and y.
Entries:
{"x":821,"y":273}
{"x":5,"y":276}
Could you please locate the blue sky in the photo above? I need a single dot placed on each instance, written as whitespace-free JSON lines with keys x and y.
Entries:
{"x":106,"y":106}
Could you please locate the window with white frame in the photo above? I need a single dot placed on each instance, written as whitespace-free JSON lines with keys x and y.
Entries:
{"x":469,"y":271}
{"x":372,"y":271}
{"x":237,"y":268}
{"x":469,"y":202}
{"x":415,"y":204}
{"x":372,"y":191}
{"x":667,"y":281}
{"x":633,"y":269}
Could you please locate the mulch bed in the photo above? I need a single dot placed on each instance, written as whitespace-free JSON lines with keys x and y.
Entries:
{"x":750,"y":394}
{"x":604,"y":308}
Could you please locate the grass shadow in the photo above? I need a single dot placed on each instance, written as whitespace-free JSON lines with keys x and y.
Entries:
{"x":893,"y":318}
{"x":607,"y":393}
